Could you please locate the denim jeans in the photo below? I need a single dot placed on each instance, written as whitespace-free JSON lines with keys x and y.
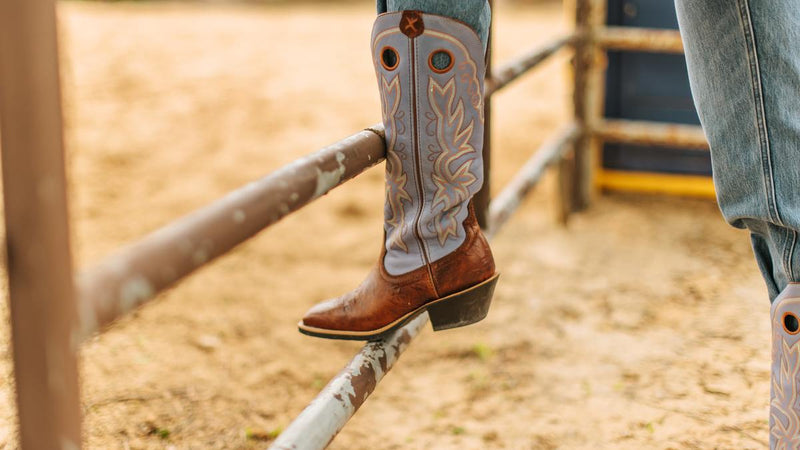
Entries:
{"x":744,"y":68}
{"x":475,"y":13}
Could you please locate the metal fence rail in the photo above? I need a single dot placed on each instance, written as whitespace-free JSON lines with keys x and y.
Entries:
{"x":328,"y":413}
{"x":138,"y":272}
{"x":519,"y":66}
{"x":42,"y":304}
{"x":509,"y":199}
{"x":48,"y":325}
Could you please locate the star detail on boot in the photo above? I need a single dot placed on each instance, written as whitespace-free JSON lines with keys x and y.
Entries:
{"x":411,"y":24}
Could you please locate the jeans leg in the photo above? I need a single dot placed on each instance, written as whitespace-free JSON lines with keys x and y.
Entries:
{"x":744,"y":69}
{"x":475,"y":13}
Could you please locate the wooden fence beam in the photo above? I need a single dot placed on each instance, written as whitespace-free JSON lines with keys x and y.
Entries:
{"x":640,"y":39}
{"x":589,"y":69}
{"x":651,"y":133}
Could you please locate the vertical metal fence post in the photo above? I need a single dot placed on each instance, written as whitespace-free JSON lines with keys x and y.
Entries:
{"x":483,"y":197}
{"x":588,"y":93}
{"x":42,"y":301}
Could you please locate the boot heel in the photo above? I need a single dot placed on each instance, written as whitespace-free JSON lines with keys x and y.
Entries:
{"x":462,"y":308}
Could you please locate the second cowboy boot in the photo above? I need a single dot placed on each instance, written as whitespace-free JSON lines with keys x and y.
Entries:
{"x":434,"y":257}
{"x":784,"y":405}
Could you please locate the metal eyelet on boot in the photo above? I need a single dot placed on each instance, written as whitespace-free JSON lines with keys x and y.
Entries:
{"x":790,"y":323}
{"x":389,"y":58}
{"x":441,"y":61}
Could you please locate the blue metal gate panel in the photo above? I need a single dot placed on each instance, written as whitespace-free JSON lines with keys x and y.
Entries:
{"x":649,"y":86}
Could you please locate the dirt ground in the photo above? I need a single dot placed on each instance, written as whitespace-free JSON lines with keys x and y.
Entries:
{"x":643,"y":324}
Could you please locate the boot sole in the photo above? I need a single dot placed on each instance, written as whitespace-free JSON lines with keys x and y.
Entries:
{"x":456,"y":310}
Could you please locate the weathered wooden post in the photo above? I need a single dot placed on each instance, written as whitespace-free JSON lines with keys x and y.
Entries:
{"x":589,"y":67}
{"x":565,"y":173}
{"x":44,"y":316}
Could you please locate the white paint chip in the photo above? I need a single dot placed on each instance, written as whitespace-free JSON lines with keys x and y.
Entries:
{"x":328,"y":180}
{"x":134,"y":291}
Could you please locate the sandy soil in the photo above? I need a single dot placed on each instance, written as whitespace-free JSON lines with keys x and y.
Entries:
{"x":643,"y":324}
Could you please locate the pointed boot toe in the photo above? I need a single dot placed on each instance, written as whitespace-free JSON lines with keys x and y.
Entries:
{"x":323,"y":315}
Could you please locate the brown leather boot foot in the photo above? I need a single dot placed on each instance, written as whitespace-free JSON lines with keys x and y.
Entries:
{"x":456,"y":310}
{"x":456,"y":291}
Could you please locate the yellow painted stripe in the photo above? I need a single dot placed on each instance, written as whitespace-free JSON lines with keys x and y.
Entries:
{"x":673,"y":184}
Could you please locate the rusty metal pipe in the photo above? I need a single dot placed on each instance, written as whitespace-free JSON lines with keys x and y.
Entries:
{"x":328,"y":413}
{"x":639,"y":39}
{"x":44,"y":316}
{"x":522,"y":64}
{"x":141,"y":270}
{"x":651,"y":133}
{"x":504,"y":205}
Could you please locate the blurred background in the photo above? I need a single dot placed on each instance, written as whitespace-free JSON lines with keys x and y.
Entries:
{"x":642,"y":324}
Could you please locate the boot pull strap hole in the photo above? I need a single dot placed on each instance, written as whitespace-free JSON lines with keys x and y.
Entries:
{"x":790,"y":323}
{"x":440,"y":61}
{"x":389,"y":58}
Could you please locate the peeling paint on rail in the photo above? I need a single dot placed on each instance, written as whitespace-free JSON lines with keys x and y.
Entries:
{"x":327,"y":180}
{"x":328,"y":413}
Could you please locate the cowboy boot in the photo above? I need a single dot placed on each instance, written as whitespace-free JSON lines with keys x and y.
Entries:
{"x":434,"y":256}
{"x":784,"y":405}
